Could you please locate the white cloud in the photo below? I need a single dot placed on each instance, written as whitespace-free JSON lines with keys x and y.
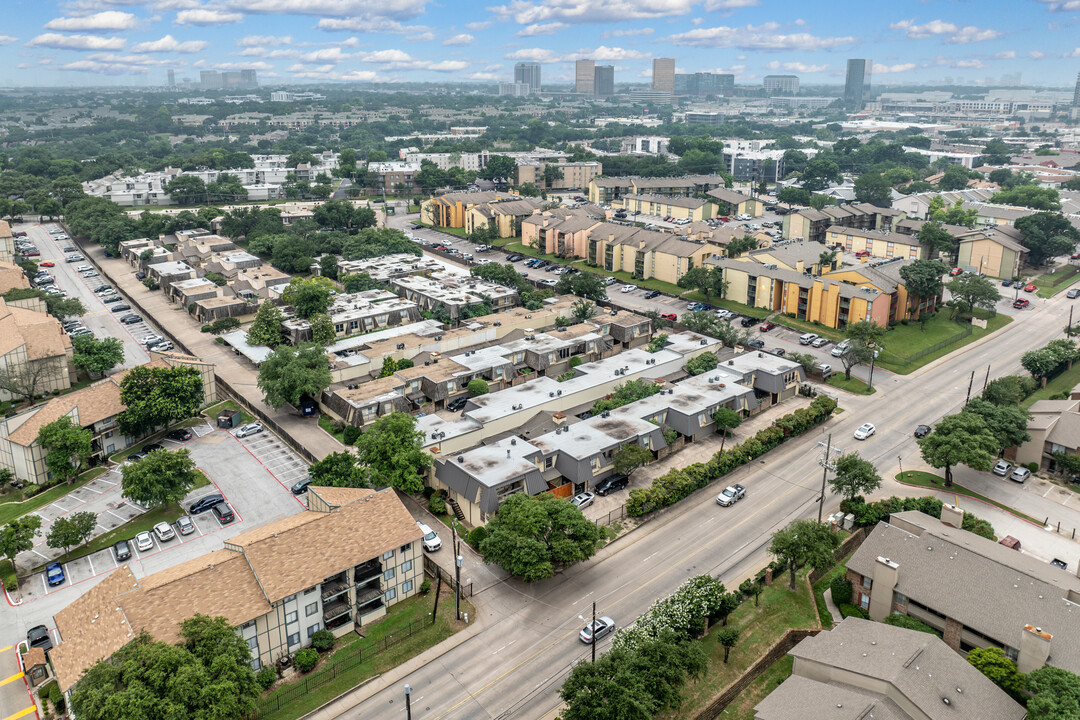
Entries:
{"x":600,"y":54}
{"x":357,"y":9}
{"x":394,"y":59}
{"x":279,"y":54}
{"x":460,"y":39}
{"x":1036,"y":55}
{"x":326,"y":55}
{"x":764,"y":38}
{"x":93,"y":66}
{"x":956,"y":35}
{"x":170,"y":44}
{"x":541,"y":29}
{"x":243,"y":66}
{"x":479,"y":25}
{"x":534,"y":54}
{"x":387,"y":56}
{"x":370,"y":25}
{"x":627,"y":33}
{"x":8,"y":40}
{"x":1075,"y":53}
{"x":133,"y":60}
{"x":1056,"y":6}
{"x":98,"y":22}
{"x":797,"y":67}
{"x":969,"y":64}
{"x":493,"y":77}
{"x":720,"y":5}
{"x":609,"y":53}
{"x":444,"y":66}
{"x":77,"y":42}
{"x":1005,"y":55}
{"x":421,"y":37}
{"x":264,"y":40}
{"x":524,"y":12}
{"x":880,"y":69}
{"x":204,"y":16}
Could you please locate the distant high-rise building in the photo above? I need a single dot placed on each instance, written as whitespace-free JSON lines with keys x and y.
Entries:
{"x":249,"y":78}
{"x":585,"y":77}
{"x":528,"y":73}
{"x":514,"y":89}
{"x":172,"y":78}
{"x":1076,"y":92}
{"x":663,"y":74}
{"x":604,"y":80}
{"x":210,"y":80}
{"x":704,"y":83}
{"x":857,"y":86}
{"x":781,"y":84}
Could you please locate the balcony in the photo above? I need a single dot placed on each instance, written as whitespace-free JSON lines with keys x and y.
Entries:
{"x":334,"y":586}
{"x":367,"y":592}
{"x":338,"y":621}
{"x":367,"y":571}
{"x":370,"y":606}
{"x":334,"y":610}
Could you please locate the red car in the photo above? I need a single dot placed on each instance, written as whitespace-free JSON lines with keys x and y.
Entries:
{"x":47,"y":263}
{"x":1021,"y":303}
{"x":670,"y":316}
{"x":1030,"y":287}
{"x":862,"y":254}
{"x":1075,"y":256}
{"x":955,"y":271}
{"x":725,"y":219}
{"x":767,"y":327}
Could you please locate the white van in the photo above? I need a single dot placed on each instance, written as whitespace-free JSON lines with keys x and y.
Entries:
{"x":807,"y":339}
{"x":825,"y":371}
{"x":841,"y":348}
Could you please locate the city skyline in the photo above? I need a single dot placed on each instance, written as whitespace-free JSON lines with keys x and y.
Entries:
{"x":103,"y":42}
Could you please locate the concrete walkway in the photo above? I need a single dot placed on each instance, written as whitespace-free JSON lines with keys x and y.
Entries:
{"x":240,"y":374}
{"x":833,"y":609}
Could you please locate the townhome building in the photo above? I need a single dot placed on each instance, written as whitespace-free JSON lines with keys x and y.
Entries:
{"x":561,"y":231}
{"x":681,"y":208}
{"x":35,"y":348}
{"x":504,"y":217}
{"x":448,"y":210}
{"x":454,"y":293}
{"x":874,"y":243}
{"x":812,"y":225}
{"x":645,"y":254}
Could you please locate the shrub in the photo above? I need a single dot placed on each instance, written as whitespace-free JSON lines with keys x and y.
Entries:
{"x":437,"y":505}
{"x":575,"y":361}
{"x":12,"y":585}
{"x":404,"y":363}
{"x":853,"y":611}
{"x":350,"y":434}
{"x":266,"y":677}
{"x":477,"y":386}
{"x":1033,"y":466}
{"x":428,"y":492}
{"x":322,"y":640}
{"x":337,"y":426}
{"x":56,"y":697}
{"x":425,"y":587}
{"x":906,"y":621}
{"x":841,"y":590}
{"x":306,"y":660}
{"x":206,"y":328}
{"x":476,"y":536}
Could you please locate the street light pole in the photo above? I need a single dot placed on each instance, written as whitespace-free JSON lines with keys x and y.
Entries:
{"x":594,"y":631}
{"x":870,"y":380}
{"x":457,"y":571}
{"x":408,"y":702}
{"x":824,"y":474}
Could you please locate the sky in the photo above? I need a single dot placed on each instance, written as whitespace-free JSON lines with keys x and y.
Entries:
{"x":76,"y":43}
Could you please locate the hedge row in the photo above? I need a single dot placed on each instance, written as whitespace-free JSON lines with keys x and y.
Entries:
{"x":677,"y":483}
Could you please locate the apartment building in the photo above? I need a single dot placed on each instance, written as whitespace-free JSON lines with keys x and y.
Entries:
{"x":878,"y":243}
{"x":862,"y":669}
{"x":561,"y":231}
{"x":169,"y":272}
{"x":7,"y":243}
{"x":448,"y":210}
{"x":358,"y":313}
{"x":1054,"y":428}
{"x":453,"y":292}
{"x":505,"y":217}
{"x":604,"y":191}
{"x":996,"y":251}
{"x":35,"y":347}
{"x":810,"y":224}
{"x":781,"y":84}
{"x":575,"y":175}
{"x":731,"y":203}
{"x":645,"y":254}
{"x":337,"y":566}
{"x":681,"y":208}
{"x":387,"y":267}
{"x":394,"y":177}
{"x":976,"y":592}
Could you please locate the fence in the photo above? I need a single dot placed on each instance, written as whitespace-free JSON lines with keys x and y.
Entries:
{"x":941,"y":345}
{"x":278,"y":430}
{"x":433,"y":569}
{"x":789,"y":640}
{"x":342,"y":661}
{"x":612,"y":517}
{"x":850,"y":544}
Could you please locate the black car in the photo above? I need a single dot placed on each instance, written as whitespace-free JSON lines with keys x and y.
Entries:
{"x":204,"y":504}
{"x":652,"y":294}
{"x":922,"y":431}
{"x":299,"y":488}
{"x":39,"y":637}
{"x":122,"y":551}
{"x":514,"y":258}
{"x":121,"y":308}
{"x":136,"y":456}
{"x":130,"y":319}
{"x":611,"y":484}
{"x":756,"y":343}
{"x":179,"y":435}
{"x":750,"y":322}
{"x":458,"y":404}
{"x":140,"y":275}
{"x":152,"y":447}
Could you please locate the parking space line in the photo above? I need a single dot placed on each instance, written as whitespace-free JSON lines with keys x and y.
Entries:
{"x":91,"y":562}
{"x":22,"y":713}
{"x":13,"y":678}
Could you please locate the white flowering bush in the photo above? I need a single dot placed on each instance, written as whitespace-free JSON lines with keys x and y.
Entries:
{"x":683,"y":612}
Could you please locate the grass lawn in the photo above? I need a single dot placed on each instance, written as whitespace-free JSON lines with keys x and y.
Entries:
{"x":11,"y":509}
{"x":939,"y":328}
{"x":399,"y":618}
{"x":1054,"y":282}
{"x":854,"y":385}
{"x":760,"y":627}
{"x":7,"y":574}
{"x":327,"y":423}
{"x":936,"y":482}
{"x":1064,"y":382}
{"x":212,"y":411}
{"x":743,"y":706}
{"x":626,"y":278}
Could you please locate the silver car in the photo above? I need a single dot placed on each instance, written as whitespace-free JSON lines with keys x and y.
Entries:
{"x":582,"y":500}
{"x":1003,"y":468}
{"x":249,"y":429}
{"x":1020,"y":475}
{"x":596,"y":630}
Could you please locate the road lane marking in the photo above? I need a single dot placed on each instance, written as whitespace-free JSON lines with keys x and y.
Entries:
{"x":5,"y":649}
{"x":22,"y":713}
{"x":13,"y":678}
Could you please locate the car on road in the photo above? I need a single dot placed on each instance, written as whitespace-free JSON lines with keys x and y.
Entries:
{"x":628,"y":288}
{"x":130,"y":319}
{"x":731,"y":495}
{"x":179,"y":435}
{"x":54,"y":573}
{"x":203,"y":504}
{"x":922,"y":431}
{"x":431,"y":541}
{"x":842,"y":347}
{"x":767,"y":327}
{"x":1030,"y":287}
{"x":249,"y":429}
{"x":756,"y":343}
{"x":596,"y":630}
{"x":164,"y":531}
{"x":185,"y":525}
{"x":300,"y":486}
{"x":864,"y":431}
{"x":1072,"y":294}
{"x":38,"y":637}
{"x":652,"y":294}
{"x":1059,"y":563}
{"x":1020,"y":475}
{"x":955,"y":271}
{"x":121,"y":550}
{"x":1007,"y":282}
{"x":121,"y":308}
{"x":1021,"y":303}
{"x":1002,"y":468}
{"x":582,"y":500}
{"x":144,"y":541}
{"x":47,"y":263}
{"x":669,"y":316}
{"x":457,"y":404}
{"x":611,"y":484}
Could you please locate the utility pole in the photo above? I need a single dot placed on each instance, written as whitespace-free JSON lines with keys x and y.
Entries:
{"x":870,"y":380}
{"x":970,"y":383}
{"x":986,"y":381}
{"x":1068,"y":328}
{"x":457,"y":571}
{"x":594,"y":631}
{"x":824,"y":474}
{"x":408,"y":702}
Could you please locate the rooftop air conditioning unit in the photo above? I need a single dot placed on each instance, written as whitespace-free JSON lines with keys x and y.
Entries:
{"x":605,"y":413}
{"x":461,"y":458}
{"x":551,"y":394}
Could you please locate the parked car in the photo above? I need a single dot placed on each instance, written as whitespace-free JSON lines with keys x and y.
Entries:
{"x":47,"y":263}
{"x":431,"y":540}
{"x":841,"y":347}
{"x":203,"y":504}
{"x":767,"y":327}
{"x":1021,"y":303}
{"x":1030,"y":287}
{"x":164,"y":531}
{"x":820,"y":342}
{"x":103,"y":289}
{"x":179,"y":435}
{"x":1002,"y":468}
{"x":669,"y":316}
{"x":144,"y":541}
{"x":300,"y":486}
{"x":750,"y":322}
{"x":610,"y":484}
{"x":731,"y":495}
{"x":514,"y":258}
{"x":955,"y":271}
{"x":1020,"y":475}
{"x":922,"y":431}
{"x":807,"y":338}
{"x":152,"y":447}
{"x":582,"y":500}
{"x":90,"y":274}
{"x":864,"y":431}
{"x":109,"y":299}
{"x":779,"y":352}
{"x":54,"y":573}
{"x":1007,"y":282}
{"x":457,"y":404}
{"x":652,"y":294}
{"x":756,"y":343}
{"x":628,"y":288}
{"x":223,"y":513}
{"x":130,"y":319}
{"x":1059,"y":563}
{"x":122,"y":550}
{"x":136,"y":456}
{"x":38,"y":637}
{"x":185,"y":525}
{"x":1073,"y":293}
{"x":249,"y":429}
{"x":596,"y":630}
{"x":121,"y":308}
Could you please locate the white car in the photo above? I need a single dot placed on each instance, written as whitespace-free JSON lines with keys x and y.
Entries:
{"x":144,"y":541}
{"x":151,"y":340}
{"x":582,"y":500}
{"x":549,"y":282}
{"x":164,"y":531}
{"x":629,"y":288}
{"x":431,"y":540}
{"x":249,"y":429}
{"x":864,"y":431}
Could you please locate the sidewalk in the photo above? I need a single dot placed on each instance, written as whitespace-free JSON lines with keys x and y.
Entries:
{"x":234,"y":369}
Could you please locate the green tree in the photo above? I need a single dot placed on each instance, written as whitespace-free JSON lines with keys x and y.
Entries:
{"x":310,"y":296}
{"x":340,"y":469}
{"x":500,"y":168}
{"x":322,"y":329}
{"x":1030,"y":196}
{"x":265,"y":329}
{"x":959,"y":439}
{"x":1008,"y":390}
{"x":1047,"y":235}
{"x":935,"y":238}
{"x":358,"y":282}
{"x":18,"y":536}
{"x":873,"y":188}
{"x":826,"y":261}
{"x":29,"y":379}
{"x":922,"y":278}
{"x":726,"y":419}
{"x":347,"y":163}
{"x":389,"y":367}
{"x":532,"y":536}
{"x":328,"y":266}
{"x":854,"y":476}
{"x":1008,"y":424}
{"x":857,"y":353}
{"x":154,"y":397}
{"x":96,"y":356}
{"x":955,"y":178}
{"x":336,"y":214}
{"x":867,"y":331}
{"x":392,"y":448}
{"x":708,"y":280}
{"x":71,"y":530}
{"x":629,"y":457}
{"x":804,"y":542}
{"x":186,"y":190}
{"x":583,"y":309}
{"x":1056,"y":694}
{"x":972,"y":291}
{"x":999,"y":669}
{"x":292,"y":373}
{"x":702,"y":363}
{"x":728,"y":637}
{"x":819,"y":173}
{"x":477,"y":387}
{"x":67,"y":446}
{"x":528,"y":190}
{"x":551,"y":174}
{"x":160,"y":478}
{"x":583,"y":284}
{"x":735,"y":248}
{"x":956,"y":215}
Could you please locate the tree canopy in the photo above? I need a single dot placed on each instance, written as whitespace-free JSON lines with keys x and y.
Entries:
{"x":804,"y":542}
{"x":153,"y":397}
{"x":72,"y":530}
{"x":67,"y":446}
{"x":972,"y":291}
{"x":310,"y":296}
{"x":340,"y":469}
{"x":854,"y":476}
{"x":292,"y":372}
{"x":1047,"y":235}
{"x":265,"y":329}
{"x":96,"y":356}
{"x":160,"y":478}
{"x":959,"y":439}
{"x":392,"y":449}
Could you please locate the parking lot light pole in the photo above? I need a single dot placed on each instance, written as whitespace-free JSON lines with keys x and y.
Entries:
{"x":594,"y":631}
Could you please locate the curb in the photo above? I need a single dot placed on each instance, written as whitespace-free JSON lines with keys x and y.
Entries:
{"x":969,"y":497}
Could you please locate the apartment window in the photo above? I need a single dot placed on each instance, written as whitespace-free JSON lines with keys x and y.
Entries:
{"x":256,"y":664}
{"x":899,"y":598}
{"x":406,"y":566}
{"x":391,"y":594}
{"x":291,"y":617}
{"x":549,"y":462}
{"x":389,"y":574}
{"x":1012,"y":653}
{"x":294,"y":639}
{"x":867,"y":582}
{"x":311,"y":609}
{"x":248,"y":624}
{"x":312,"y":630}
{"x":406,"y":586}
{"x":253,"y":644}
{"x":291,"y":598}
{"x":388,"y":554}
{"x":404,"y":549}
{"x":311,"y":589}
